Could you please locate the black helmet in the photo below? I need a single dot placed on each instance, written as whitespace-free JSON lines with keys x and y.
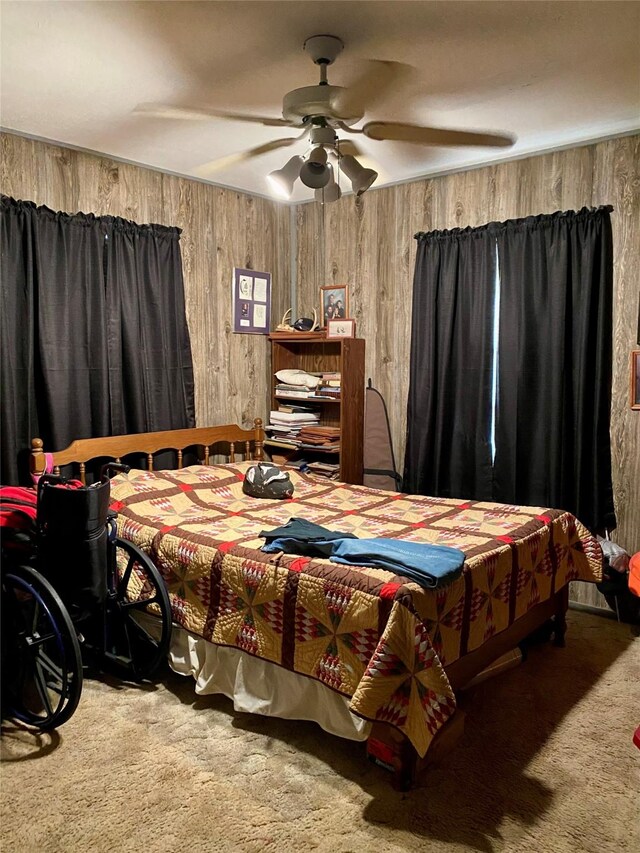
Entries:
{"x":265,"y":480}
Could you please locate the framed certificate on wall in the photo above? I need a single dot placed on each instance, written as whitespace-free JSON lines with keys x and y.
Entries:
{"x":251,"y":301}
{"x":341,"y":328}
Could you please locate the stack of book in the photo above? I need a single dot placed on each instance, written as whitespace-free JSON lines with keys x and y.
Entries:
{"x":327,"y":388}
{"x":286,"y":423}
{"x":330,"y":470}
{"x":294,"y":391}
{"x":320,"y":437}
{"x":325,"y":392}
{"x":329,"y":385}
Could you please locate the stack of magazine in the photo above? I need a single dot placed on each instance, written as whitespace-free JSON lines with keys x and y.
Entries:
{"x":285,"y":424}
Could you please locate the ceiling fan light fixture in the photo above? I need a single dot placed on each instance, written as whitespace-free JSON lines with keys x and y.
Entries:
{"x":318,"y":155}
{"x":315,"y":173}
{"x":361,"y":178}
{"x":331,"y":192}
{"x":282,"y":180}
{"x":365,"y":179}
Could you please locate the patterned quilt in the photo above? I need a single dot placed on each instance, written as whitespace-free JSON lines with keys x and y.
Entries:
{"x":367,"y":633}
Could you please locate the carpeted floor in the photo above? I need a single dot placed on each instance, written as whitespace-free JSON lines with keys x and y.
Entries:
{"x":547,"y":764}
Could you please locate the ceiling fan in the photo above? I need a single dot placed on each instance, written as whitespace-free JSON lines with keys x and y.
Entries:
{"x":322,"y":110}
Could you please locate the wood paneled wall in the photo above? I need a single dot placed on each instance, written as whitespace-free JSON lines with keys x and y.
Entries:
{"x":221,"y":229}
{"x":368,"y":244}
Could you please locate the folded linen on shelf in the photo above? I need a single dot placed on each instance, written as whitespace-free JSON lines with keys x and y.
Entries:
{"x":290,"y":418}
{"x":298,"y":378}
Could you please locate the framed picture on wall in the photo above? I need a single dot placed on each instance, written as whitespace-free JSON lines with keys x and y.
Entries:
{"x":251,"y":301}
{"x":333,"y":303}
{"x":635,"y":379}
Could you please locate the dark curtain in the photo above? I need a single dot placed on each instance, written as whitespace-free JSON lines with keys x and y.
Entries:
{"x":18,"y":408}
{"x":151,"y":383}
{"x":448,"y":450}
{"x":53,"y":347}
{"x":555,"y":338}
{"x":94,"y":335}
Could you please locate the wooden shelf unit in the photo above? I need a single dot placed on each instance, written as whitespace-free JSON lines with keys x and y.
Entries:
{"x":315,"y":353}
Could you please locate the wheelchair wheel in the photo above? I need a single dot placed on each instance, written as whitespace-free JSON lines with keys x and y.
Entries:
{"x":41,"y":661}
{"x":138,"y":614}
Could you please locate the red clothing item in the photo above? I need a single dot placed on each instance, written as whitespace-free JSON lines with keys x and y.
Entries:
{"x":634,"y":574}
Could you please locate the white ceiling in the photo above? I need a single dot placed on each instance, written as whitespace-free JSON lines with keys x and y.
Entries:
{"x":552,"y":73}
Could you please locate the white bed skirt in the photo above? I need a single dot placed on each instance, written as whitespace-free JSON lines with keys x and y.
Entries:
{"x":260,"y":687}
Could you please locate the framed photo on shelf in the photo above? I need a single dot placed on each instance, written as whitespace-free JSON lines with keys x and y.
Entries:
{"x":251,"y":301}
{"x":334,"y":303}
{"x":635,"y":379}
{"x":341,"y":328}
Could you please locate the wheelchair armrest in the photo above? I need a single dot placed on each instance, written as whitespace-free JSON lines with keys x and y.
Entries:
{"x":111,"y":468}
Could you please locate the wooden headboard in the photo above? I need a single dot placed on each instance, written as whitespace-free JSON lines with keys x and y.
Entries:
{"x":246,"y":442}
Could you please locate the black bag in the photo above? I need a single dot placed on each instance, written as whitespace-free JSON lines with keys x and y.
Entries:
{"x":72,"y":541}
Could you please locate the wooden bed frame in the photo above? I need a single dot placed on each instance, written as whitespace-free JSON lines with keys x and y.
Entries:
{"x":385,"y":742}
{"x":248,"y":442}
{"x":404,"y":760}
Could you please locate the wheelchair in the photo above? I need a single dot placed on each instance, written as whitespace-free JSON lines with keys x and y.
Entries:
{"x":75,"y":596}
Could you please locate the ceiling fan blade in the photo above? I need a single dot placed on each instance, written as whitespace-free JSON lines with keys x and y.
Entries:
{"x":432,"y":135}
{"x":232,"y":159}
{"x":369,"y":88}
{"x":195,"y":114}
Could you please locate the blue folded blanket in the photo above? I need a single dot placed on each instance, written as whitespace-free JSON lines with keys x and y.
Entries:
{"x":429,"y":565}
